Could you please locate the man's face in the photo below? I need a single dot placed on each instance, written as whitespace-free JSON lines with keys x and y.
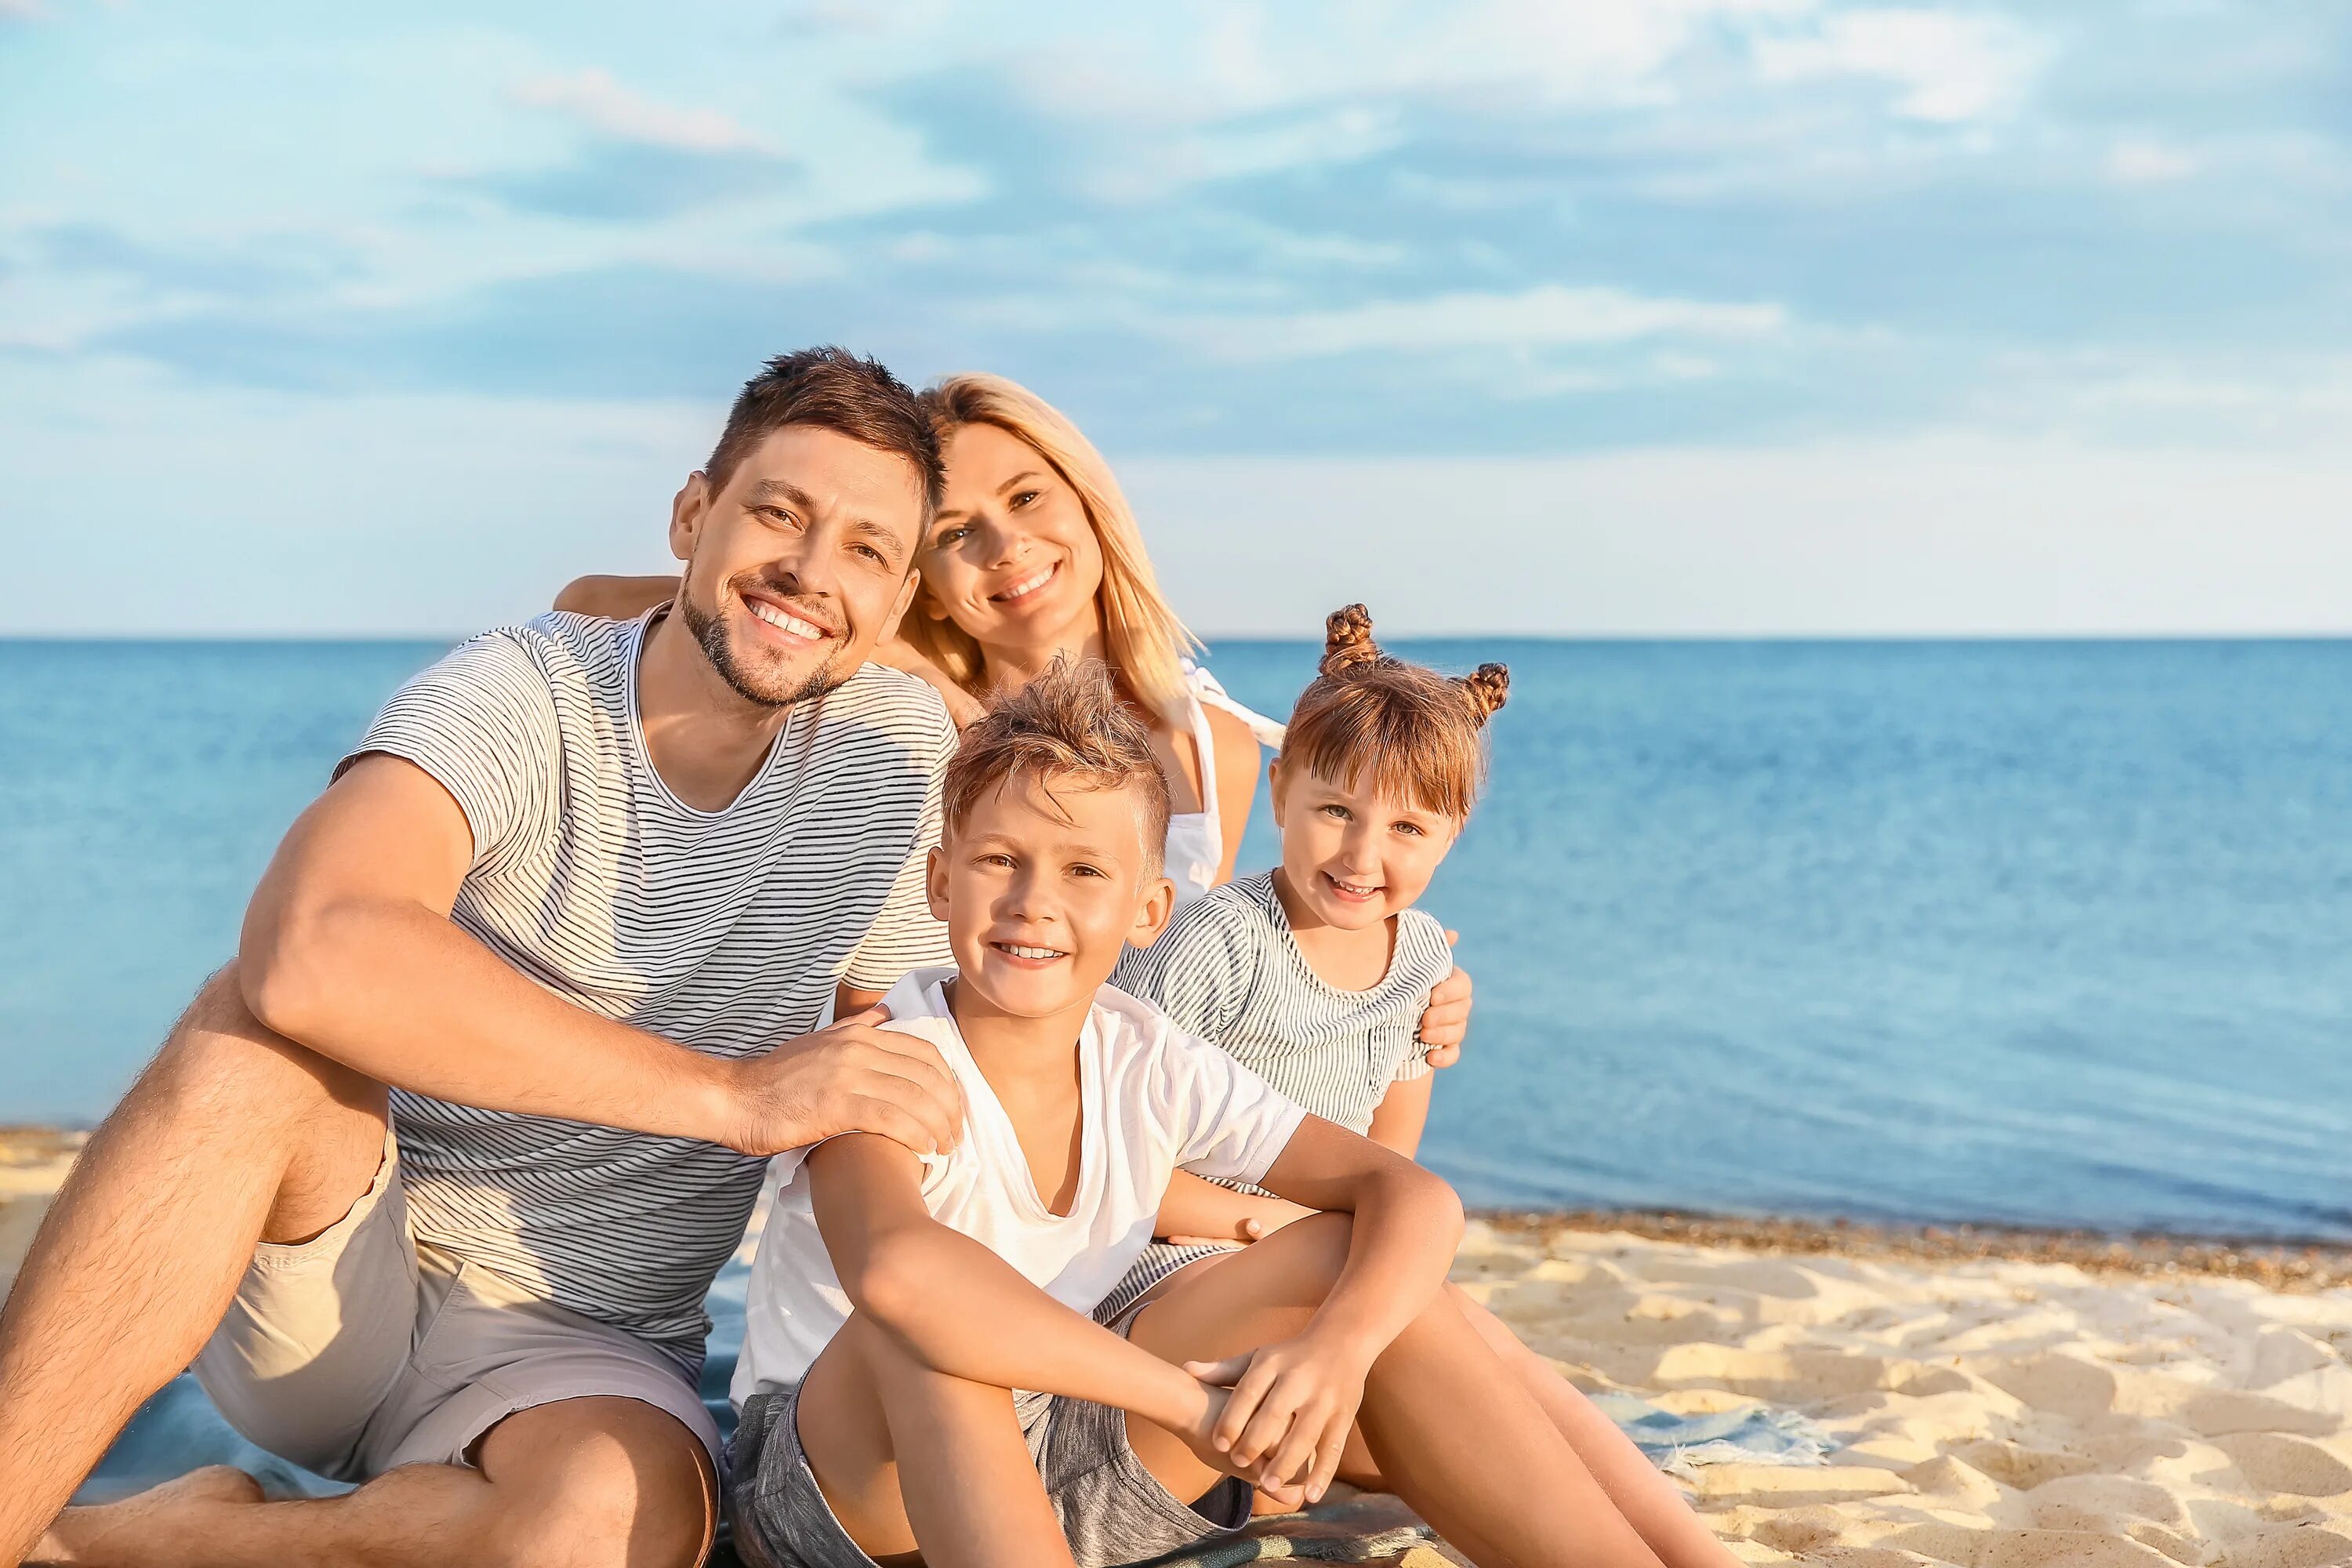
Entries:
{"x":1042,"y":890}
{"x":800,"y":564}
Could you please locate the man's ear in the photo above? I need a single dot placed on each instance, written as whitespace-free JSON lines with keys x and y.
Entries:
{"x":935,"y":881}
{"x":907,"y":591}
{"x":1153,"y":912}
{"x":687,"y":511}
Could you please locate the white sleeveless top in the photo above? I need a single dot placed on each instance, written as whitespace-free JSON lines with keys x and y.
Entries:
{"x":1196,"y":839}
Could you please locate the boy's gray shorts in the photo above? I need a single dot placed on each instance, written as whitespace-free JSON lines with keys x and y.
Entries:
{"x":1110,"y":1508}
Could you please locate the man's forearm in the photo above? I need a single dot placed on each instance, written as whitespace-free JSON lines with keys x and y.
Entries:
{"x":393,"y":990}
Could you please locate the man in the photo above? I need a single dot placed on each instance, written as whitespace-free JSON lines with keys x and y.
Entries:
{"x":431,"y":1181}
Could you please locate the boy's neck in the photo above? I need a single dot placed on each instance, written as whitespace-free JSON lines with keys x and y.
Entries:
{"x":1350,"y":960}
{"x":1014,"y":1045}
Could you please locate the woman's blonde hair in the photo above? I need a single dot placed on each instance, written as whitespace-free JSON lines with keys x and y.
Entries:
{"x":1422,"y":735}
{"x":1142,"y":638}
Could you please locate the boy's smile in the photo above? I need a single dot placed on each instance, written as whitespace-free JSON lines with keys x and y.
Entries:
{"x":1041,"y":885}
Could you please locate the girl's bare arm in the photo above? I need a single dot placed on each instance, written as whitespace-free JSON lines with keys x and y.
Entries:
{"x":1402,"y":1114}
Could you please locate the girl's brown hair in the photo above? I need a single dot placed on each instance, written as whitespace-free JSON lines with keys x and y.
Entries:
{"x":1420,"y":733}
{"x":1142,"y":637}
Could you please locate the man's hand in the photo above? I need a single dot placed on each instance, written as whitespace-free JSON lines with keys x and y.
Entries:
{"x":1286,"y":1424}
{"x":1446,"y":1022}
{"x":849,"y":1077}
{"x":1266,"y":1217}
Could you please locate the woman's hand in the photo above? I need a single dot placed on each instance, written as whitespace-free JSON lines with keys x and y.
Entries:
{"x":1262,"y":1218}
{"x":1447,"y":1020}
{"x":1287,"y":1422}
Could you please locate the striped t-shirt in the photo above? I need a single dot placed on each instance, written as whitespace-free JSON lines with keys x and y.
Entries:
{"x":724,"y":931}
{"x":1229,"y":970}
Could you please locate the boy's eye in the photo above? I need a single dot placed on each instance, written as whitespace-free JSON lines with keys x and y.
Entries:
{"x":993,"y":859}
{"x":1340,"y":812}
{"x":1084,"y":870}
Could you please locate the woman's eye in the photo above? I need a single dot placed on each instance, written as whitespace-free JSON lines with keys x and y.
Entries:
{"x":948,"y":536}
{"x":1023,"y":499}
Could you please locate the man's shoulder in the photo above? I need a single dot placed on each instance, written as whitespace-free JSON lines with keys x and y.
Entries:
{"x":906,"y":706}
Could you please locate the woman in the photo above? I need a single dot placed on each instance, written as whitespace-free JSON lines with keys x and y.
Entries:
{"x":1036,"y":553}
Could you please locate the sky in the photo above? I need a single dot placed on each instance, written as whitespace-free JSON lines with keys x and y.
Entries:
{"x":1624,"y":317}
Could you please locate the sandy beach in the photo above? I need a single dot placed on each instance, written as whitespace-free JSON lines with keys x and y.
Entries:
{"x":2141,"y":1404}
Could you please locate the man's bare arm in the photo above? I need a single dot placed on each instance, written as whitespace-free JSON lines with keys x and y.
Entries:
{"x":348,"y":949}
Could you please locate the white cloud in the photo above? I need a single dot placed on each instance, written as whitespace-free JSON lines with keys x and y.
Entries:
{"x":2142,"y":162}
{"x":1954,"y":68}
{"x":593,"y":97}
{"x":1550,"y":316}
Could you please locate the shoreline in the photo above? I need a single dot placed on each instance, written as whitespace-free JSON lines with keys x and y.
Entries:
{"x":2292,"y":1266}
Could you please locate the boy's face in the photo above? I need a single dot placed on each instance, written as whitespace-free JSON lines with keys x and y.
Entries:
{"x":1041,"y":892}
{"x":1355,"y":856}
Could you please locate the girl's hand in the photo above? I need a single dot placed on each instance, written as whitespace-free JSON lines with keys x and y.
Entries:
{"x":1287,"y":1422}
{"x":1447,"y":1020}
{"x":1267,"y":1216}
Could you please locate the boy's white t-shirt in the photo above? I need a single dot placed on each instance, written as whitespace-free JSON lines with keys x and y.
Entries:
{"x":1152,"y":1098}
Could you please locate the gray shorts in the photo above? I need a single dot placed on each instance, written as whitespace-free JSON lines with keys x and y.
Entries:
{"x":361,"y":1349}
{"x":1111,"y":1509}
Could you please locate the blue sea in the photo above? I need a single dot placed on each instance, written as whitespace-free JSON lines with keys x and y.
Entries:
{"x":2056,"y":933}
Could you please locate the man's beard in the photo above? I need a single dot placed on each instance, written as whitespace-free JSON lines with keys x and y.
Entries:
{"x":718,"y":647}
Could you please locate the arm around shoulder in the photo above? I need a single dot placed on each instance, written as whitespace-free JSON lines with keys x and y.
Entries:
{"x":1237,"y":772}
{"x":614,"y":597}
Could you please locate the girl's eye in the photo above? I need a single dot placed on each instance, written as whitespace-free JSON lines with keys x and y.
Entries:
{"x":1414,"y":828}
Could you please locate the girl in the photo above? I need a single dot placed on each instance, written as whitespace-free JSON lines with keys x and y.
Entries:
{"x":1314,"y":973}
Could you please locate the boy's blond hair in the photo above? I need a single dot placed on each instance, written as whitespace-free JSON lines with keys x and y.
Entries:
{"x":1067,"y":725}
{"x":1421,"y":734}
{"x":1142,"y":636}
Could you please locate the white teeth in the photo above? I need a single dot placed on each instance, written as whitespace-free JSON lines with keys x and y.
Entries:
{"x":1354,"y":890}
{"x":1027,"y":585}
{"x":1039,"y":952}
{"x":786,"y":621}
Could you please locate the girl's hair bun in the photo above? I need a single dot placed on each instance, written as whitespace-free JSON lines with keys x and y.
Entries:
{"x":1488,"y":687}
{"x":1347,"y":640}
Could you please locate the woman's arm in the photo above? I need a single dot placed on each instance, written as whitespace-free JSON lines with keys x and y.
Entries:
{"x":1237,"y":770}
{"x":616,"y":598}
{"x":1402,"y":1114}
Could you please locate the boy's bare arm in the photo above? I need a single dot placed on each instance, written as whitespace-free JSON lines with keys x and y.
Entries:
{"x":1402,"y":1115}
{"x":348,"y":949}
{"x":1293,"y":1404}
{"x":965,"y":1311}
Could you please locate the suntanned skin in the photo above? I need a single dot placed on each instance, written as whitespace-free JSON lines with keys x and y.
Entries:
{"x":1264,"y":1366}
{"x":1336,"y":837}
{"x":263,"y":1117}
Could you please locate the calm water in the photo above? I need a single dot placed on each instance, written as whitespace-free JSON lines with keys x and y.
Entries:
{"x":2041,"y":932}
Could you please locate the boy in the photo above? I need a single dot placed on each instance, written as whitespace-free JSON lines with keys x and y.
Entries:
{"x":887,"y":1287}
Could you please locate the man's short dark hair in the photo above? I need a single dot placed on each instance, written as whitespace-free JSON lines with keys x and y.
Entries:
{"x":834,"y":390}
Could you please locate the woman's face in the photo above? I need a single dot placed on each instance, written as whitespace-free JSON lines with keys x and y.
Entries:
{"x":1011,"y":558}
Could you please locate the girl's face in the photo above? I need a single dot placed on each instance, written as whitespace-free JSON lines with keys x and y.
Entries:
{"x":1011,"y":558}
{"x":1352,"y":855}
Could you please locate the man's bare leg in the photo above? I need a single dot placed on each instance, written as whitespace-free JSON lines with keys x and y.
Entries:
{"x":232,"y":1135}
{"x":1452,"y":1430}
{"x":902,"y":1452}
{"x":584,"y":1483}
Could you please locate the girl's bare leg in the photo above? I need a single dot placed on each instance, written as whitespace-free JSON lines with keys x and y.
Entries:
{"x":1455,"y":1433}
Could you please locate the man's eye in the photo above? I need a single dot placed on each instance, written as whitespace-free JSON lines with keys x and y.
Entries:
{"x":778,"y":516}
{"x":871,"y":554}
